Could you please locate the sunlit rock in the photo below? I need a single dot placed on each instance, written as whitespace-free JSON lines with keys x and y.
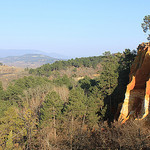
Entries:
{"x":137,"y":97}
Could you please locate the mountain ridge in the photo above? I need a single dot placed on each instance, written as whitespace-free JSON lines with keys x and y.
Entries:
{"x":19,"y":52}
{"x":28,"y":60}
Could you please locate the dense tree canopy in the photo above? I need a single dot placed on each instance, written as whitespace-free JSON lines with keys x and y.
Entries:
{"x":51,"y":108}
{"x":59,"y":65}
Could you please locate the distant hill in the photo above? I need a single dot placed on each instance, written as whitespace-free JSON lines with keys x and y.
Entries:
{"x":28,"y":60}
{"x":20,"y":52}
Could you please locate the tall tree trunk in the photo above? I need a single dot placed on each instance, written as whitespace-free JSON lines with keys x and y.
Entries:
{"x":54,"y":124}
{"x":83,"y":120}
{"x":71,"y":135}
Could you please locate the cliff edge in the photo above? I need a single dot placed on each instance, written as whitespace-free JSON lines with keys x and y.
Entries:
{"x":137,"y":97}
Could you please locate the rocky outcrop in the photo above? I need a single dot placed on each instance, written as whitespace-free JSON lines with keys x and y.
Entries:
{"x":137,"y":97}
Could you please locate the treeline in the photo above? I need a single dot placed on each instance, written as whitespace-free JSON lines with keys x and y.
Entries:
{"x":110,"y":86}
{"x":37,"y":113}
{"x":59,"y":65}
{"x":16,"y":88}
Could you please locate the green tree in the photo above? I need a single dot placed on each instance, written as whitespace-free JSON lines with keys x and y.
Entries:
{"x":51,"y":108}
{"x":85,"y":83}
{"x":11,"y":122}
{"x":125,"y":63}
{"x":76,"y":106}
{"x":64,"y":81}
{"x":50,"y":113}
{"x":16,"y":88}
{"x":95,"y":111}
{"x":108,"y":79}
{"x":146,"y":25}
{"x":75,"y":110}
{"x":4,"y":105}
{"x":30,"y":125}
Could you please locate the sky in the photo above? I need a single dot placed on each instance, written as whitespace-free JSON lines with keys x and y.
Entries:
{"x":75,"y":28}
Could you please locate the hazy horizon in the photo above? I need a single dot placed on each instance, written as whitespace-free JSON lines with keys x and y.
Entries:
{"x":72,"y":28}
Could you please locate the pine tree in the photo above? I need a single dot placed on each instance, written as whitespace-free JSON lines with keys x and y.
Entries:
{"x":76,"y":110}
{"x":76,"y":106}
{"x":51,"y":107}
{"x":11,"y":123}
{"x":146,"y":25}
{"x":108,"y":80}
{"x":109,"y":75}
{"x":51,"y":111}
{"x":93,"y":107}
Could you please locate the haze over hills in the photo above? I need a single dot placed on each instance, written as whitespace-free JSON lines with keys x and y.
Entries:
{"x":28,"y":60}
{"x":20,"y":52}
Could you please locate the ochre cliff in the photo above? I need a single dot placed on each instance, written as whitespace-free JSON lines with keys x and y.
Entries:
{"x":137,"y":97}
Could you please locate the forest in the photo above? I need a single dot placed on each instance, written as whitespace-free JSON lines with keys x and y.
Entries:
{"x":37,"y":112}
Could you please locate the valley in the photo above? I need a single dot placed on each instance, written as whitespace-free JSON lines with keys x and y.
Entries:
{"x":74,"y":75}
{"x":75,"y":95}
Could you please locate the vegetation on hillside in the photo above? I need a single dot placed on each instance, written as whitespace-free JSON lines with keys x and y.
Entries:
{"x":47,"y":69}
{"x":38,"y":113}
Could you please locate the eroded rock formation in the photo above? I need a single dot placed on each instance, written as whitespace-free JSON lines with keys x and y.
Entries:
{"x":137,"y":96}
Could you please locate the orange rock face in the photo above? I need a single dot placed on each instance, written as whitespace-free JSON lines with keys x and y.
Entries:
{"x":137,"y":97}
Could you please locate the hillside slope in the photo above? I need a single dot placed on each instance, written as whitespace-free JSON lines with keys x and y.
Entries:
{"x":7,"y":74}
{"x":27,"y":60}
{"x":73,"y":65}
{"x":20,"y":52}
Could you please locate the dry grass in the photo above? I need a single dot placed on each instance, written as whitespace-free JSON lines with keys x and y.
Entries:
{"x":78,"y":73}
{"x":7,"y":74}
{"x":132,"y":135}
{"x":63,"y":92}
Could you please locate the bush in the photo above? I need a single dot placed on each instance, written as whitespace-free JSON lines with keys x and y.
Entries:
{"x":132,"y":135}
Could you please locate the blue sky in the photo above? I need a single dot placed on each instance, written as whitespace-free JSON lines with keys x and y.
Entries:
{"x":76,"y":28}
